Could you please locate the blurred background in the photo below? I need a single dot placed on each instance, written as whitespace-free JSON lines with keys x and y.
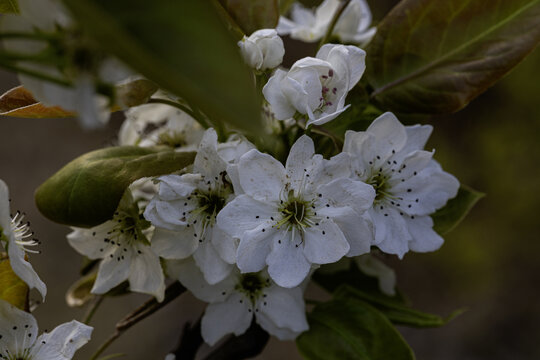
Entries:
{"x":489,"y":264}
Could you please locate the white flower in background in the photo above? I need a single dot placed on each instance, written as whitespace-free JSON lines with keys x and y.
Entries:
{"x":19,"y":340}
{"x":123,"y":245}
{"x":14,"y":236}
{"x":184,"y":213}
{"x":316,"y":87}
{"x":294,"y":216}
{"x":308,"y":25}
{"x":263,"y":49}
{"x":409,"y":184}
{"x":83,"y":67}
{"x":159,"y":124}
{"x":234,"y":301}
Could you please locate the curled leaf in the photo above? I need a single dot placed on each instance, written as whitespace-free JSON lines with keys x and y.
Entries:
{"x":19,"y":102}
{"x":12,"y":289}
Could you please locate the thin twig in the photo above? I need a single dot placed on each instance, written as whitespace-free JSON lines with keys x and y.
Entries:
{"x":92,"y":309}
{"x":142,"y":312}
{"x":342,"y":6}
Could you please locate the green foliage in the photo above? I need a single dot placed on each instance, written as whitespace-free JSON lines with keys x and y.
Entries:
{"x":394,"y":309}
{"x":252,"y":15}
{"x":12,"y":289}
{"x":87,"y":191}
{"x":455,"y":210}
{"x":432,"y":56}
{"x":9,"y":6}
{"x":348,"y":328}
{"x":183,"y":46}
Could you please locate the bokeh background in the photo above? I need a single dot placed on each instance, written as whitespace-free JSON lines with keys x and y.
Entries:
{"x":489,"y":264}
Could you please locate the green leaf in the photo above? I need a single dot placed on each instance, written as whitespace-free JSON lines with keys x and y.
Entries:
{"x":432,"y":56}
{"x":12,"y":289}
{"x":396,"y":311}
{"x":9,"y":6}
{"x":182,"y":46}
{"x":348,"y":328}
{"x":448,"y":217}
{"x":86,"y":191}
{"x":252,"y":15}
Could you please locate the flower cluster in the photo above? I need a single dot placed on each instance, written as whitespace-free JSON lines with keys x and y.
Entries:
{"x":244,"y":231}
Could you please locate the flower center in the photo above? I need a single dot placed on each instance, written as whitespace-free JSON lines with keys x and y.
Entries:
{"x":296,"y":212}
{"x":380,"y":184}
{"x":252,"y":285}
{"x":23,"y":234}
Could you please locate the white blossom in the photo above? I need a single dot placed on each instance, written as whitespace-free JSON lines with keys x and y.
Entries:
{"x":75,"y":85}
{"x":159,"y":124}
{"x":409,"y":184}
{"x":308,"y":25}
{"x":316,"y":87}
{"x":294,"y":216}
{"x":15,"y":235}
{"x":123,"y":245}
{"x":19,"y":337}
{"x":237,"y":298}
{"x":184,"y":212}
{"x":262,"y":50}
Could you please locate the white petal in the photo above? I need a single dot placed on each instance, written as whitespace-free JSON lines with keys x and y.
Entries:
{"x":62,"y":342}
{"x":254,"y":248}
{"x":5,"y":218}
{"x":349,"y":192}
{"x":261,"y":176}
{"x":281,"y":107}
{"x":320,"y":120}
{"x":242,"y":214}
{"x":356,"y":228}
{"x":324,"y":243}
{"x":287,"y":265}
{"x":231,"y":316}
{"x":225,"y":245}
{"x":175,"y":187}
{"x":432,"y":187}
{"x":88,"y":244}
{"x":211,"y":264}
{"x":207,"y":161}
{"x":347,"y":60}
{"x":18,"y":329}
{"x":424,"y":238}
{"x":112,"y":271}
{"x":391,"y":234}
{"x":388,"y":134}
{"x":175,"y":244}
{"x":189,"y":274}
{"x":302,"y":85}
{"x":285,"y":308}
{"x":24,"y":269}
{"x":300,"y":158}
{"x":146,"y":275}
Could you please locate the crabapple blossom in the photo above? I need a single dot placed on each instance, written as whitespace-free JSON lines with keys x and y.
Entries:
{"x":123,"y":245}
{"x":236,"y":299}
{"x":15,"y":236}
{"x":19,"y":337}
{"x":316,"y":87}
{"x":409,"y":184}
{"x":296,"y":216}
{"x":353,"y":26}
{"x":262,"y":50}
{"x":185,"y":209}
{"x":159,"y":124}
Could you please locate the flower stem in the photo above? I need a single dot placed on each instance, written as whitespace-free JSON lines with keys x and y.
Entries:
{"x":141,"y":313}
{"x":342,"y":6}
{"x":92,"y":309}
{"x":7,"y":64}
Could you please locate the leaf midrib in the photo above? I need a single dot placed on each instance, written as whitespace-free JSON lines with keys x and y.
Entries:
{"x":433,"y":64}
